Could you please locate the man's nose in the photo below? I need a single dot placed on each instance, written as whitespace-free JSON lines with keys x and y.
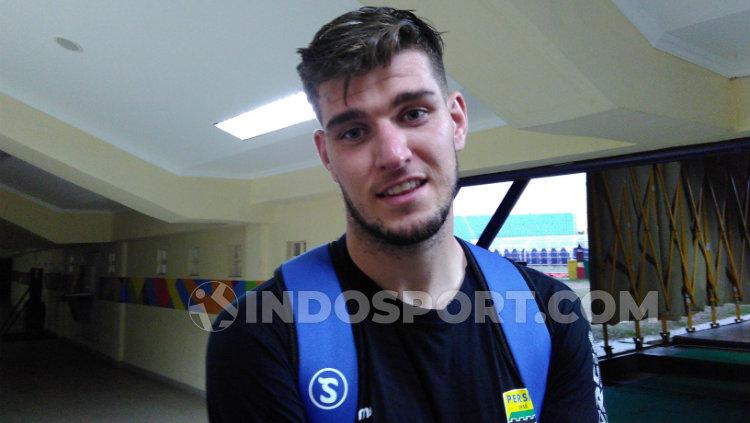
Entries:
{"x":393,"y":150}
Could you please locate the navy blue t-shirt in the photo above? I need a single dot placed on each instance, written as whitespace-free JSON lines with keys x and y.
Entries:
{"x":430,"y":370}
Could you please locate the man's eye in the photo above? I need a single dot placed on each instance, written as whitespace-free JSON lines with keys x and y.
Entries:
{"x":353,"y":134}
{"x":414,"y":114}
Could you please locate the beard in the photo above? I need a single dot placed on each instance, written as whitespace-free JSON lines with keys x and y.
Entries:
{"x":424,"y":231}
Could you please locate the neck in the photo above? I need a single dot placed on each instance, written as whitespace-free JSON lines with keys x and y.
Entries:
{"x":434,"y":267}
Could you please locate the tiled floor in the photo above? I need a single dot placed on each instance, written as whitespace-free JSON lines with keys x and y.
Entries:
{"x":55,"y":381}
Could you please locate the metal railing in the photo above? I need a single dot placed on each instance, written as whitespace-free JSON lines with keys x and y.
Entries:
{"x":16,"y":312}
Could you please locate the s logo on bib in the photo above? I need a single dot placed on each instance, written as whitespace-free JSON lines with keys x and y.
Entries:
{"x":327,"y":388}
{"x":518,"y":406}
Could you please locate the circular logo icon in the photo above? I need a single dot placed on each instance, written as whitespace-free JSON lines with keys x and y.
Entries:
{"x":212,"y":297}
{"x":328,"y":388}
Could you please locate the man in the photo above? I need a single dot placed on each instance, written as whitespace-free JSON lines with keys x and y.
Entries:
{"x":389,"y":138}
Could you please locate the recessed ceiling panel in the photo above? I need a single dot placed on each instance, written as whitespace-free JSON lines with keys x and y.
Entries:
{"x":712,"y":34}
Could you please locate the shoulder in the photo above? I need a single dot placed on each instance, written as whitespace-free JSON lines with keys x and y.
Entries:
{"x":250,"y":371}
{"x":559,"y":303}
{"x":574,"y":391}
{"x":253,"y":327}
{"x":546,"y":287}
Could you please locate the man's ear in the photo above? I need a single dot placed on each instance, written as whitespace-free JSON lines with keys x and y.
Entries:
{"x":460,"y":117}
{"x":320,"y":143}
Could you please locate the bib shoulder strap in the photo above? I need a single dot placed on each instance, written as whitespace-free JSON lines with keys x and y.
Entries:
{"x":328,"y":370}
{"x":327,"y":377}
{"x":528,"y":339}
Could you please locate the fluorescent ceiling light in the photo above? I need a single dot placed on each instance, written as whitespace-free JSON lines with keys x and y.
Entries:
{"x":271,"y":117}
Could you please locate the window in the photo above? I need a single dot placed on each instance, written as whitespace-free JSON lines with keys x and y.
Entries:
{"x":654,"y":219}
{"x":193,"y":260}
{"x":543,"y":229}
{"x":161,"y":261}
{"x":71,"y":265}
{"x":112,"y":263}
{"x":295,"y":248}
{"x":235,"y":266}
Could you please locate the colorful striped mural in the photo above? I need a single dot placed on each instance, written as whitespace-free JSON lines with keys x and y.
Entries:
{"x":163,"y":292}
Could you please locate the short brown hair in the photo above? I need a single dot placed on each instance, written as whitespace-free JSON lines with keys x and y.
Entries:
{"x":362,"y":40}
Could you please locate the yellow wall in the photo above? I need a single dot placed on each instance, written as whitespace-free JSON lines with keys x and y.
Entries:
{"x":617,"y":59}
{"x":546,"y":62}
{"x":103,"y":333}
{"x":91,"y":163}
{"x":165,"y":342}
{"x":316,"y":220}
{"x":505,"y":148}
{"x":58,"y":227}
{"x":50,"y":260}
{"x":130,"y":224}
{"x":256,"y":254}
{"x":162,"y":341}
{"x":741,"y":89}
{"x":214,"y":246}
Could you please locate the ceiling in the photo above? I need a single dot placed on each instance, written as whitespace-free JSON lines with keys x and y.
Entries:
{"x":49,"y":190}
{"x":153,"y":77}
{"x":710,"y":33}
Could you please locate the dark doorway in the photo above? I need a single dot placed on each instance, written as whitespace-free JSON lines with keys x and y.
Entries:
{"x":6,"y":272}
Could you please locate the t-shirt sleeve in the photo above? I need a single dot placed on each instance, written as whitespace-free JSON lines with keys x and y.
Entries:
{"x":574,"y":390}
{"x":250,"y":376}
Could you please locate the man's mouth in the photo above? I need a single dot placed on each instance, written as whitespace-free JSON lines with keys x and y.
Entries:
{"x":402,"y":188}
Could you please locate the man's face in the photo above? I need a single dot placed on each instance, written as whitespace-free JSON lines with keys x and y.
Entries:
{"x":391,"y":146}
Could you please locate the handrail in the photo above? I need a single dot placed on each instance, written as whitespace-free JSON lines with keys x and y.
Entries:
{"x":14,"y":313}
